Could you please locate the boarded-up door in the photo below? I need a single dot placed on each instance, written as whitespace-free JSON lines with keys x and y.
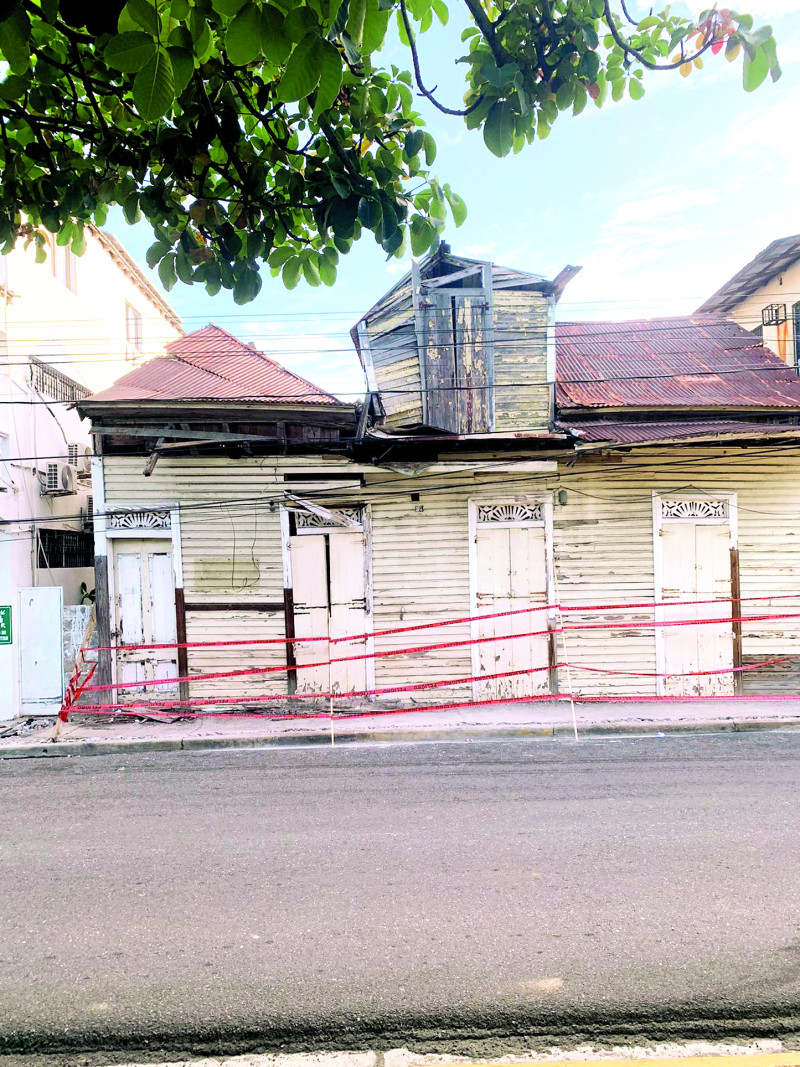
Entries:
{"x":511,"y":576}
{"x":145,"y":615}
{"x":696,"y":565}
{"x":40,"y":643}
{"x":329,"y":590}
{"x":456,"y":362}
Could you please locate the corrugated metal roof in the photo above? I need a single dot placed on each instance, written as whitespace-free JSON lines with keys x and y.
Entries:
{"x":691,"y":362}
{"x":211,"y":364}
{"x":774,"y":259}
{"x":617,"y":432}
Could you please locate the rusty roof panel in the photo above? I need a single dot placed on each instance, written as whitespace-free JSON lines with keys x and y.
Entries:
{"x":617,"y":432}
{"x":691,"y":362}
{"x":212,"y":365}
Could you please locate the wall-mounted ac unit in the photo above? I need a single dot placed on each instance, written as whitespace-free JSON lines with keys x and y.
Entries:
{"x":59,"y":479}
{"x":80,"y":457}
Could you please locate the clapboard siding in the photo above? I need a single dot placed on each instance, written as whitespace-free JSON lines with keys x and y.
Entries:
{"x":522,"y":392}
{"x":603,"y":555}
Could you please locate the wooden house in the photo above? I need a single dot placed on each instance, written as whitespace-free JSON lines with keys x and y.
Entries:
{"x":634,"y":533}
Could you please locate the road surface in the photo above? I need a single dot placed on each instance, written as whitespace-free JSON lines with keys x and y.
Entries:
{"x":303,"y":897}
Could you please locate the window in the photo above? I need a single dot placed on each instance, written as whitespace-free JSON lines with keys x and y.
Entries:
{"x":63,"y":264}
{"x":133,"y":328}
{"x":53,"y":384}
{"x":65,"y":548}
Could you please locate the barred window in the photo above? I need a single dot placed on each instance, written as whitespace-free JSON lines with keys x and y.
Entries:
{"x":53,"y":384}
{"x":65,"y":548}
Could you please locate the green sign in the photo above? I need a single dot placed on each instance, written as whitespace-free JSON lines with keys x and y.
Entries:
{"x":5,"y":624}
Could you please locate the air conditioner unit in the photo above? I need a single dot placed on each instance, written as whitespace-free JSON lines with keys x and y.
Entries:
{"x":80,"y":457}
{"x":59,"y":479}
{"x":88,"y":515}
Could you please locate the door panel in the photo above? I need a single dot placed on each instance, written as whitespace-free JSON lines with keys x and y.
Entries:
{"x":145,"y":614}
{"x":696,"y":566}
{"x":329,"y":590}
{"x":512,"y":575}
{"x":40,"y":645}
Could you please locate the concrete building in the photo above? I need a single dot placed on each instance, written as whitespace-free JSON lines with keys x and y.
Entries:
{"x":69,"y":326}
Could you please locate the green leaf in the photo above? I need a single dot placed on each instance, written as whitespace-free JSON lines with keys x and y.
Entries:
{"x":413,"y":143}
{"x":565,"y":96}
{"x":457,"y":206}
{"x":755,"y":69}
{"x":302,"y":73}
{"x":129,"y":52}
{"x":182,"y":68}
{"x":498,"y":130}
{"x":300,"y":21}
{"x":130,"y":209}
{"x":78,"y":245}
{"x":376,"y":23}
{"x":179,"y":9}
{"x":429,"y":145}
{"x":581,"y":98}
{"x":243,"y":38}
{"x":441,"y":9}
{"x":247,"y":287}
{"x":166,"y":271}
{"x":311,"y":272}
{"x":145,"y":15}
{"x":14,"y":34}
{"x":227,"y":7}
{"x":356,"y":16}
{"x":330,"y":77}
{"x":156,"y":252}
{"x":636,"y":89}
{"x":422,"y":235}
{"x":154,"y":88}
{"x":291,"y":272}
{"x":369,"y":212}
{"x":275,"y":44}
{"x":327,"y":271}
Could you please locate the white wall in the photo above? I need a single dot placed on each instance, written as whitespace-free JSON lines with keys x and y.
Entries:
{"x":81,"y":334}
{"x":782,"y":289}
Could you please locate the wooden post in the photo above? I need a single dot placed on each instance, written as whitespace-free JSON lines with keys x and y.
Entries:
{"x":183,"y":651}
{"x":736,"y":613}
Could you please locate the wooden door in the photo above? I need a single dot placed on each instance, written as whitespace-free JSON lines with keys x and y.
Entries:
{"x":511,"y":576}
{"x":145,"y":614}
{"x":696,"y":565}
{"x":329,"y":591}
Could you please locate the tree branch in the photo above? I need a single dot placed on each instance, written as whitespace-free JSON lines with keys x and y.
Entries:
{"x":487,"y":28}
{"x":428,"y":93}
{"x":629,"y":50}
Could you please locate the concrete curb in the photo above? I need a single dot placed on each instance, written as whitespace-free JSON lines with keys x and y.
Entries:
{"x":456,"y":733}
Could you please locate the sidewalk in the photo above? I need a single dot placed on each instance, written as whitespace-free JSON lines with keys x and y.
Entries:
{"x":94,"y":735}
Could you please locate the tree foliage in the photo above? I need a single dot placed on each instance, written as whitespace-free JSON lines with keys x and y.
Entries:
{"x":269,"y":131}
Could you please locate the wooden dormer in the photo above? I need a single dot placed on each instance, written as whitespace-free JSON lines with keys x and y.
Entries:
{"x":463,"y":346}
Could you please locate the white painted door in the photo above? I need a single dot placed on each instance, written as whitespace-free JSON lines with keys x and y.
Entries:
{"x":329,"y":590}
{"x":145,"y":614}
{"x":696,"y":565}
{"x":40,"y":645}
{"x":511,"y":576}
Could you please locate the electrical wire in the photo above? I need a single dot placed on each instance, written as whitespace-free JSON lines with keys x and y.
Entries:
{"x":366,"y":495}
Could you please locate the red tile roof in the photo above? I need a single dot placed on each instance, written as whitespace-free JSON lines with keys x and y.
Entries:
{"x":692,"y":362}
{"x":211,"y":364}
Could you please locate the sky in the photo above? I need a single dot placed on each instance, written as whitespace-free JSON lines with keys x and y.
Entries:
{"x":659,"y":201}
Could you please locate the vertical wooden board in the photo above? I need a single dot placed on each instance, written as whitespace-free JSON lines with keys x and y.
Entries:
{"x":715,"y":642}
{"x":162,"y":597}
{"x":471,"y":370}
{"x":311,"y":610}
{"x":439,"y":363}
{"x":129,"y":597}
{"x":528,"y":587}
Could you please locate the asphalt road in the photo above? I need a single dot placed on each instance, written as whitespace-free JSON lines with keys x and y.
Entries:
{"x":297,"y":897}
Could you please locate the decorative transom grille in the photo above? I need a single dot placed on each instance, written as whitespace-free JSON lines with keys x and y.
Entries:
{"x":510,"y":513}
{"x":305,"y":520}
{"x":140,"y":520}
{"x":694,"y":509}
